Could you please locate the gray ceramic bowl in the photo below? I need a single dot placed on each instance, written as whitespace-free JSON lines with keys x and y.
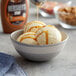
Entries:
{"x":38,"y":52}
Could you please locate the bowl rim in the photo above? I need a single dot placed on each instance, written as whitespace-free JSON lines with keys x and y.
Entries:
{"x":49,"y":45}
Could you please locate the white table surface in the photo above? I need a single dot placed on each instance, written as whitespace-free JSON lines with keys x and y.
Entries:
{"x":62,"y":65}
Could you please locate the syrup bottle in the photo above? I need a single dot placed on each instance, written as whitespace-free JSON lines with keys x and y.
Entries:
{"x":14,"y":14}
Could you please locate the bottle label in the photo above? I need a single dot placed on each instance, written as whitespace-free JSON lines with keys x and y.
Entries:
{"x":16,"y":12}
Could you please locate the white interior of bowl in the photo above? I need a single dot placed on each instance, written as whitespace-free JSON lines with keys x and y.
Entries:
{"x":64,"y":36}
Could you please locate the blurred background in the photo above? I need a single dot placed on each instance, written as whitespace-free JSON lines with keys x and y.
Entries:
{"x":46,"y":12}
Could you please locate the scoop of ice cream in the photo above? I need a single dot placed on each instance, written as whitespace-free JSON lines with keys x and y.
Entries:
{"x":33,"y":26}
{"x":28,"y":38}
{"x":48,"y":35}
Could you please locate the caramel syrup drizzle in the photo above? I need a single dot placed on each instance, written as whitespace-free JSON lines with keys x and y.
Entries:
{"x":34,"y":27}
{"x":45,"y":26}
{"x":28,"y":24}
{"x":22,"y":38}
{"x":26,"y":38}
{"x":46,"y":33}
{"x":37,"y":13}
{"x":28,"y":34}
{"x":38,"y":6}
